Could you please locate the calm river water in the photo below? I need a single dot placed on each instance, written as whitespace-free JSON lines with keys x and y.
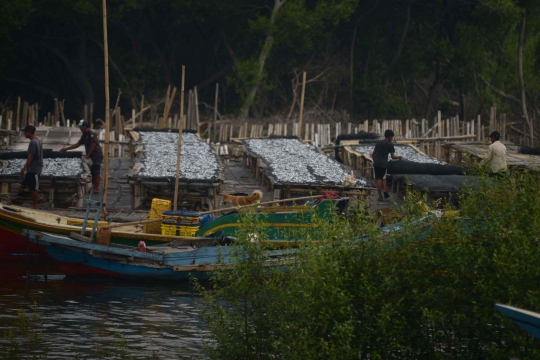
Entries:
{"x":91,"y":319}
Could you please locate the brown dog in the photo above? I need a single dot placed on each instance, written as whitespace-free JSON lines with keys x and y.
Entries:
{"x":254,"y":198}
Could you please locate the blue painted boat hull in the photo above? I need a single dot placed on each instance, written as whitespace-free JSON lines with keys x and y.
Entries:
{"x":528,"y":320}
{"x":76,"y":258}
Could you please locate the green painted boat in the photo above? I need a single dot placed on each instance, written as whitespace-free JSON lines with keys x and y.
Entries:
{"x":280,"y":222}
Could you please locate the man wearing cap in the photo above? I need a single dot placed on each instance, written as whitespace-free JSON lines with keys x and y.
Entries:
{"x":93,"y":151}
{"x":34,"y":164}
{"x":380,"y":162}
{"x":496,"y":155}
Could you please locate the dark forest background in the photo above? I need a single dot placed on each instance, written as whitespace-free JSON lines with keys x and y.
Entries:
{"x":369,"y":58}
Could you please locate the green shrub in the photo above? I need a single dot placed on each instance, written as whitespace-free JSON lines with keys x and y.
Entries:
{"x":362,"y":295}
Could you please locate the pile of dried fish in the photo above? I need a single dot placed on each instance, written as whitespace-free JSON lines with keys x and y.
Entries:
{"x":291,"y":161}
{"x":159,"y":156}
{"x":407,"y":152}
{"x":60,"y":167}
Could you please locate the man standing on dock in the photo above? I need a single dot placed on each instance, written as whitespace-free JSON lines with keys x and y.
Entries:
{"x":93,"y":151}
{"x":380,"y":162}
{"x":34,"y":164}
{"x":496,"y":155}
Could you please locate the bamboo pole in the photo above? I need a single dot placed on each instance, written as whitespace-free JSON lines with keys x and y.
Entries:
{"x":24,"y":119}
{"x":107,"y":105}
{"x":118,"y":123}
{"x":91,"y":116}
{"x":196,"y":109}
{"x":179,"y":151}
{"x":168,"y":106}
{"x":141,"y":111}
{"x":61,"y":110}
{"x":189,"y":109}
{"x":302,"y":105}
{"x":18,"y":123}
{"x":56,"y":109}
{"x":263,"y":203}
{"x":215,"y":112}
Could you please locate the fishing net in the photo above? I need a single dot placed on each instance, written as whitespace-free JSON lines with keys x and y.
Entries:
{"x":440,"y":182}
{"x":411,"y":167}
{"x":529,"y":150}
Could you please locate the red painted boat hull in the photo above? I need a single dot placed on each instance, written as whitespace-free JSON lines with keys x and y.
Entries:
{"x":14,"y":246}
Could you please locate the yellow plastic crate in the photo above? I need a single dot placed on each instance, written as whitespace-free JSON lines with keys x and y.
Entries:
{"x":158,"y":207}
{"x":184,"y":220}
{"x":172,"y":230}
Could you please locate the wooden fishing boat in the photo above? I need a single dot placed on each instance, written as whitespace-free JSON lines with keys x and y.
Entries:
{"x":177,"y":260}
{"x":283,"y":223}
{"x":528,"y":320}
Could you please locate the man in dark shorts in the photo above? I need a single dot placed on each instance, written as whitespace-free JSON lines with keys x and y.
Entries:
{"x":380,"y":162}
{"x":34,"y":164}
{"x":93,"y":151}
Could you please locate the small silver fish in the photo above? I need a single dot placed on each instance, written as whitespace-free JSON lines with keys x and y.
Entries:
{"x":68,"y":167}
{"x":159,"y":156}
{"x":292,"y":161}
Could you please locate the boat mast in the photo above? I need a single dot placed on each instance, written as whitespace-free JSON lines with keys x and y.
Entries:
{"x":107,"y":106}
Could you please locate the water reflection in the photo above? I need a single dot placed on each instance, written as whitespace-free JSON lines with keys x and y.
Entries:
{"x":96,"y":319}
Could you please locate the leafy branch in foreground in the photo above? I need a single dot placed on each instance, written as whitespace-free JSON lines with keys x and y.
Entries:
{"x":425,"y":291}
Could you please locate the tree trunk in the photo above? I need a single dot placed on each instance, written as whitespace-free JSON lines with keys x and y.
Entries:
{"x":521,"y":81}
{"x":400,"y":46}
{"x":432,"y":89}
{"x":351,"y":87}
{"x":262,"y":59}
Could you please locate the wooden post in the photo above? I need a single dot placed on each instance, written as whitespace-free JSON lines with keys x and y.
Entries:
{"x":133,"y":119}
{"x":300,"y":117}
{"x":85,"y":112}
{"x":107,"y":105}
{"x":179,"y":151}
{"x":215,"y":113}
{"x":18,"y":122}
{"x":196,"y":125}
{"x":142,"y":111}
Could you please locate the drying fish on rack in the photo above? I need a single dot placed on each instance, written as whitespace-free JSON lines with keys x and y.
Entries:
{"x":198,"y":161}
{"x":290,"y":161}
{"x":407,"y":152}
{"x":59,"y":167}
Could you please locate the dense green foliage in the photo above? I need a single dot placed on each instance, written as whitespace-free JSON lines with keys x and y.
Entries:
{"x":394,"y":296}
{"x":374,"y":58}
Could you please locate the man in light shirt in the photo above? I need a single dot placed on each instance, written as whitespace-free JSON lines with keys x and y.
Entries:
{"x":496,"y":155}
